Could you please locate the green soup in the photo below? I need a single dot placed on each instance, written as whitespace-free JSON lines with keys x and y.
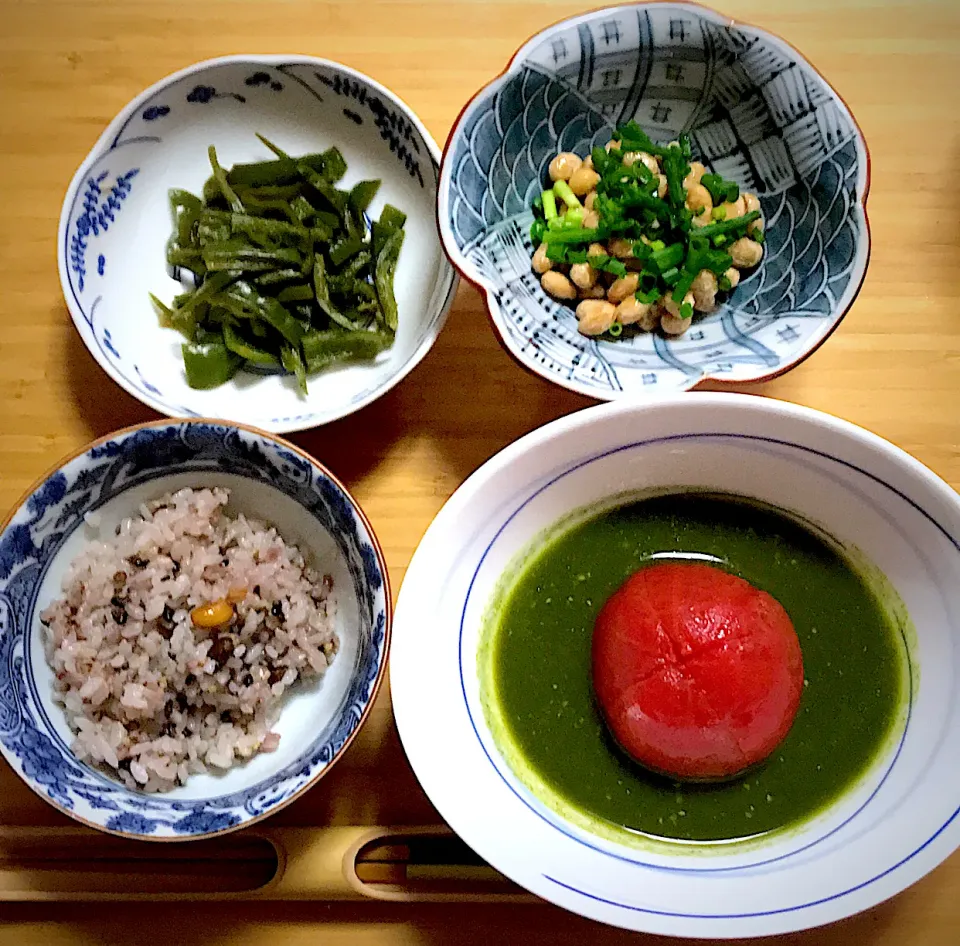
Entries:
{"x":537,"y":683}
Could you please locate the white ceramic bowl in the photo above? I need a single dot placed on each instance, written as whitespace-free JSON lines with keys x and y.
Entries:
{"x":269,"y":480}
{"x":116,"y":221}
{"x":893,"y":826}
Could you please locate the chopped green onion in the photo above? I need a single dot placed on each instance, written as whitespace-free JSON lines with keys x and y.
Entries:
{"x":549,"y":205}
{"x":683,"y":285}
{"x":758,"y":236}
{"x":668,"y":257}
{"x":668,"y":251}
{"x":633,"y":138}
{"x":716,"y":186}
{"x":606,"y":264}
{"x":686,"y":311}
{"x":648,"y":282}
{"x":675,"y":168}
{"x":729,"y":226}
{"x":723,"y":284}
{"x":562,"y":190}
{"x":616,"y":330}
{"x":602,"y":160}
{"x":579,"y":235}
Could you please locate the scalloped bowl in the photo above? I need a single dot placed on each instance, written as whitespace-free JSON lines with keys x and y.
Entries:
{"x":116,"y":220}
{"x":269,"y":479}
{"x":756,"y":112}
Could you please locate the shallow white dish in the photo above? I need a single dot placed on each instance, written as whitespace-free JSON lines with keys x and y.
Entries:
{"x":116,"y":220}
{"x":899,"y":822}
{"x":269,"y":480}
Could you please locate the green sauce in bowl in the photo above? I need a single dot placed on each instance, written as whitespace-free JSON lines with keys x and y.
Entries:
{"x":538,"y":698}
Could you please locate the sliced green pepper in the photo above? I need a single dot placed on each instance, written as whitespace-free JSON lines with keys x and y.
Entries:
{"x":273,"y":173}
{"x":186,"y":211}
{"x":187,"y":258}
{"x":246,"y":350}
{"x":211,"y":286}
{"x":390,"y":220}
{"x":304,"y":211}
{"x":343,"y":249}
{"x":293,"y":362}
{"x":335,"y":198}
{"x":384,"y":272}
{"x":321,"y":349}
{"x":362,"y":194}
{"x":259,"y":244}
{"x":184,"y":322}
{"x":278,"y":277}
{"x":209,"y":364}
{"x":322,"y":290}
{"x":334,"y":165}
{"x":298,"y":293}
{"x":264,"y":205}
{"x":270,"y":310}
{"x":237,"y":254}
{"x":229,"y":194}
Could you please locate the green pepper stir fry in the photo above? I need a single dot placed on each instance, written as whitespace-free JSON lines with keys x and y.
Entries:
{"x":288,"y":274}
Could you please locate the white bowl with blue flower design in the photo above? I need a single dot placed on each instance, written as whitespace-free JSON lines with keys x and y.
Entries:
{"x":116,"y":220}
{"x":756,"y":112}
{"x":269,"y":479}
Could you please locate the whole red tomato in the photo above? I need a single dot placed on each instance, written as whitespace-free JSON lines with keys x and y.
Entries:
{"x":698,"y":674}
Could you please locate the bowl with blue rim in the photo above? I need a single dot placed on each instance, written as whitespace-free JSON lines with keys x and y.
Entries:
{"x":495,"y":658}
{"x":116,"y":220}
{"x":756,"y":113}
{"x":84,"y":501}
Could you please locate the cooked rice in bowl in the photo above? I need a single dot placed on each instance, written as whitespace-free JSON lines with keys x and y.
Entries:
{"x":175,"y":639}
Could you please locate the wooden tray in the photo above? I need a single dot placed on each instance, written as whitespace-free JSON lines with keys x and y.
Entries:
{"x":891,"y":367}
{"x":327,"y":846}
{"x":353,"y":862}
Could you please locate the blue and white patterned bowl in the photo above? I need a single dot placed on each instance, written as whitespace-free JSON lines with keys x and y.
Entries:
{"x":269,"y":479}
{"x":116,"y":220}
{"x":756,"y":112}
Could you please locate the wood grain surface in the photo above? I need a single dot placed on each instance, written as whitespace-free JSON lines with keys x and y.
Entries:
{"x":66,"y":68}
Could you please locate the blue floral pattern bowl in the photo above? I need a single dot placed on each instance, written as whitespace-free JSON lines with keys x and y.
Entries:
{"x":116,"y":221}
{"x":267,"y":478}
{"x":756,"y":112}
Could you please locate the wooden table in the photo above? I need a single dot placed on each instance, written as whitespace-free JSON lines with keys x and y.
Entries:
{"x":893,"y":366}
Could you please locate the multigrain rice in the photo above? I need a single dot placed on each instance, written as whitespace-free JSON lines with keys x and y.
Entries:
{"x":150,"y":695}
